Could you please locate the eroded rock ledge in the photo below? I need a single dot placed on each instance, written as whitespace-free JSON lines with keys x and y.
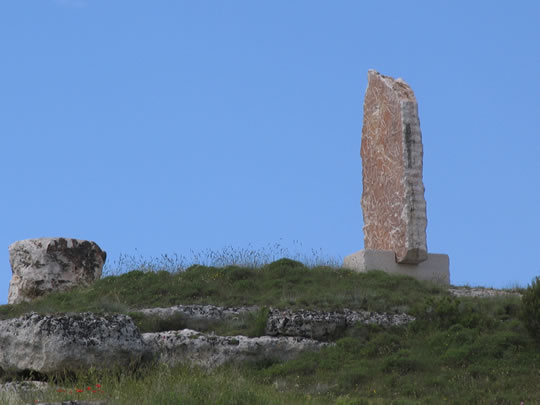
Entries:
{"x":54,"y":343}
{"x":481,"y":292}
{"x":201,"y":312}
{"x":322,"y":325}
{"x":319,"y":325}
{"x":51,"y":344}
{"x":207,"y":350}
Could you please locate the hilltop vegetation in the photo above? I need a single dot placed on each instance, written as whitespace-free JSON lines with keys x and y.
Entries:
{"x":458,"y":351}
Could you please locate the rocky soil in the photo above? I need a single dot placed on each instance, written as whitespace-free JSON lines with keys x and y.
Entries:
{"x":50,"y":343}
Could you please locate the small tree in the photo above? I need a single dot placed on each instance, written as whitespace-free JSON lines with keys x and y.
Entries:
{"x":530,"y":313}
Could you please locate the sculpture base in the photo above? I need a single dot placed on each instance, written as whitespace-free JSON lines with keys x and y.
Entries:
{"x":435,"y":269}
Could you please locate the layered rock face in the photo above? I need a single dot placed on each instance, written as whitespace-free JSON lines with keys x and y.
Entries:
{"x":318,"y":325}
{"x":53,"y":344}
{"x":321,"y":325}
{"x":45,"y":265}
{"x":393,"y":203}
{"x":209,"y":351}
{"x":210,"y":313}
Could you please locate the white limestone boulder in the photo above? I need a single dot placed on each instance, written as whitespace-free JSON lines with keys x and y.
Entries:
{"x":45,"y":265}
{"x":51,"y":344}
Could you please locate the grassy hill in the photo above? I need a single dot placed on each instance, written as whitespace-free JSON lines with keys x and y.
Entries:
{"x":458,"y":351}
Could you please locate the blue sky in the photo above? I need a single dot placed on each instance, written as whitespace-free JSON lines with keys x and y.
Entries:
{"x":169,"y":126}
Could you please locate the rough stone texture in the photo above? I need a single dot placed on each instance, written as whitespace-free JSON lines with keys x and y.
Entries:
{"x":20,"y":392}
{"x":393,"y":202}
{"x":209,"y":351}
{"x":201,"y":312}
{"x":482,"y":292}
{"x":319,"y":325}
{"x":54,"y":343}
{"x":322,"y":325}
{"x":45,"y":265}
{"x":435,"y":269}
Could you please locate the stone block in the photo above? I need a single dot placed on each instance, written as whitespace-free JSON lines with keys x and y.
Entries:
{"x":393,"y":203}
{"x":436,"y":268}
{"x":45,"y":265}
{"x":50,"y":344}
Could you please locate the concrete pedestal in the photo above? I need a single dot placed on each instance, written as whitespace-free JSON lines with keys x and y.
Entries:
{"x":435,"y":269}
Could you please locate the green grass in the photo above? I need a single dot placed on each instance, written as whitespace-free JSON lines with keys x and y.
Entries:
{"x":458,"y":351}
{"x":282,"y":284}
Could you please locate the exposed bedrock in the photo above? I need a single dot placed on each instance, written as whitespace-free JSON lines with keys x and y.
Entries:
{"x":207,"y":350}
{"x":201,"y":312}
{"x":322,"y":325}
{"x":56,"y":343}
{"x":319,"y":325}
{"x":50,"y":344}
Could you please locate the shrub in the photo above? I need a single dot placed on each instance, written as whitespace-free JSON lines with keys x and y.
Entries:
{"x":284,"y":264}
{"x":530,"y":309}
{"x":259,"y":321}
{"x":443,"y":313}
{"x":403,"y":362}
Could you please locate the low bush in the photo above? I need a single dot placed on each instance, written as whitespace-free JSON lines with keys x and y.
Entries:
{"x":530,"y":314}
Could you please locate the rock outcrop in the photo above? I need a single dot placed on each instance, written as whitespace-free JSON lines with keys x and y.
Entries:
{"x":318,"y":325}
{"x":45,"y":265}
{"x":209,"y":351}
{"x":393,"y":203}
{"x":18,"y":392}
{"x":201,"y":312}
{"x":322,"y":325}
{"x":52,"y":344}
{"x":482,"y":292}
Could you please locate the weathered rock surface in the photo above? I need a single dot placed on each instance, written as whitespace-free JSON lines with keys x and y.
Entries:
{"x":206,"y":350}
{"x":51,"y":344}
{"x":322,"y":325}
{"x":18,"y":392}
{"x":45,"y":265}
{"x":54,"y":343}
{"x":393,"y":204}
{"x":201,"y":312}
{"x":481,"y":292}
{"x":319,"y":325}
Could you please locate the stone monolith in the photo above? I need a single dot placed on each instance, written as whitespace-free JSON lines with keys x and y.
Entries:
{"x":45,"y":265}
{"x":393,"y":202}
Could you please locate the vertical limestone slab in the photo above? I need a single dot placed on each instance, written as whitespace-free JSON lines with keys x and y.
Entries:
{"x":393,"y":203}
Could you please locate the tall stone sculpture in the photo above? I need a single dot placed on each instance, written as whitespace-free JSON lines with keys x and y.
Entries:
{"x":393,"y":204}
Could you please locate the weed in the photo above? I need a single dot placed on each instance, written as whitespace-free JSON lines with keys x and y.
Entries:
{"x":458,"y":351}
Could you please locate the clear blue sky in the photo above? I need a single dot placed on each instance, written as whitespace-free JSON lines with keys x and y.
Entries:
{"x":158,"y":127}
